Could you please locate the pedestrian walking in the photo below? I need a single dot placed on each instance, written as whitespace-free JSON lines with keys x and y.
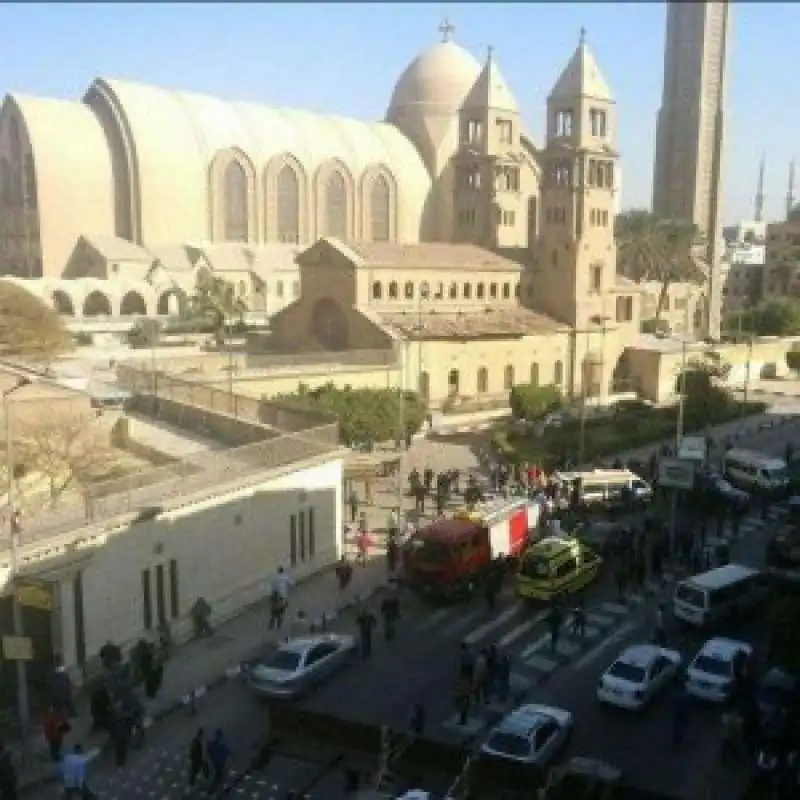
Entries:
{"x":73,"y":774}
{"x":579,"y":618}
{"x":465,"y":662}
{"x":55,"y":728}
{"x":352,"y":501}
{"x":219,"y":755}
{"x":344,"y":573}
{"x":390,"y":610}
{"x":480,"y":678}
{"x":366,"y":624}
{"x":554,"y":621}
{"x":277,"y":609}
{"x":363,"y":543}
{"x":282,"y":584}
{"x":391,"y":555}
{"x":660,"y":630}
{"x":197,"y":757}
{"x":463,"y":699}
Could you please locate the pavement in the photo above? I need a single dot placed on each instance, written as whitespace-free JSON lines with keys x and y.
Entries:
{"x":417,"y":666}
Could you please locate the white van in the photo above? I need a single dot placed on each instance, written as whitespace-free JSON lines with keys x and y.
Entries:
{"x":604,"y":486}
{"x":718,"y":594}
{"x":755,"y":471}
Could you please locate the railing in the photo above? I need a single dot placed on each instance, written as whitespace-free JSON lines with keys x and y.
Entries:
{"x":203,"y":472}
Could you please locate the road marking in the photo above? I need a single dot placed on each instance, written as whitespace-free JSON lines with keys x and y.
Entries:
{"x":597,"y":651}
{"x":515,"y":633}
{"x":464,"y":622}
{"x":475,"y":636}
{"x":437,"y":616}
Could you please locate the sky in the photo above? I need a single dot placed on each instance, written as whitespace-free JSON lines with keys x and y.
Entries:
{"x":346,"y":58}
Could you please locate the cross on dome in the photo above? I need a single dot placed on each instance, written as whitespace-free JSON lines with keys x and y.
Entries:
{"x":447,"y":29}
{"x":582,"y":39}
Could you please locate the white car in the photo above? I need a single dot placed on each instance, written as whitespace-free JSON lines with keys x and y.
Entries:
{"x":639,"y":674}
{"x":710,"y":675}
{"x":531,"y":734}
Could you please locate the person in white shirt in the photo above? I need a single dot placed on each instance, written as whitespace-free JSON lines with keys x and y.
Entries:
{"x":73,"y":772}
{"x":282,"y":584}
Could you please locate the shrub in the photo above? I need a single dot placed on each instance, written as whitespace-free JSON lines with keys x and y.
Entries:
{"x":531,"y":402}
{"x":145,"y":333}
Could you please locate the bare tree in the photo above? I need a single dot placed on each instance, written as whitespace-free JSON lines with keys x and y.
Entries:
{"x":69,"y":453}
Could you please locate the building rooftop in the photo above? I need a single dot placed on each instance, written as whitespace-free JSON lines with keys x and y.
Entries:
{"x":470,"y":325}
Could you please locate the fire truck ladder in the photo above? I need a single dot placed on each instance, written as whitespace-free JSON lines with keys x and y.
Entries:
{"x":393,"y":745}
{"x":460,"y":786}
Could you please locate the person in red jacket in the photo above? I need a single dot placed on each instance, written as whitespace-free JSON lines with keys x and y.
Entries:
{"x":55,"y":726}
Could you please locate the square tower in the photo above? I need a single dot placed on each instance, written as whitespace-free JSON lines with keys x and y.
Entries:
{"x":579,"y":183}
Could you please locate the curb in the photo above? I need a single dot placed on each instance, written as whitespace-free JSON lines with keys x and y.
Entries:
{"x":188,"y":701}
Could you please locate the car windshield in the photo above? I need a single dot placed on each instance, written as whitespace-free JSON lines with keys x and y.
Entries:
{"x":713,"y":665}
{"x":535,"y":567}
{"x":430,"y":551}
{"x":509,"y":744}
{"x":626,"y":672}
{"x":284,"y":660}
{"x":690,"y":595}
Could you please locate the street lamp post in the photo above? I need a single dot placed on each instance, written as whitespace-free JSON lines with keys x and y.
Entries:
{"x":747,"y":369}
{"x":679,"y":426}
{"x":601,"y":320}
{"x":23,"y":707}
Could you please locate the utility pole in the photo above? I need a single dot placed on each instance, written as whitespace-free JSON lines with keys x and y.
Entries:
{"x":23,"y":706}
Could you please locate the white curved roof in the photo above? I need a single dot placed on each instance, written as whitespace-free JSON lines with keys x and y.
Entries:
{"x":439,"y":78}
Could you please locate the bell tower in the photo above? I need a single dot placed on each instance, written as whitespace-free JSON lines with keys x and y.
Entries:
{"x":487,"y":197}
{"x":579,"y":184}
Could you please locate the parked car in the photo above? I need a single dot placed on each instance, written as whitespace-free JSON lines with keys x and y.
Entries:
{"x":298,"y":665}
{"x":639,"y":674}
{"x":710,"y":675}
{"x":778,"y":698}
{"x":531,"y":734}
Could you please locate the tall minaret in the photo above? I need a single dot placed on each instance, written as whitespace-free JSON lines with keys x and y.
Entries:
{"x":690,"y":131}
{"x":790,"y":191}
{"x":759,"y":200}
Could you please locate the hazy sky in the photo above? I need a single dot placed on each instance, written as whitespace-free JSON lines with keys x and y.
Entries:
{"x":346,"y":58}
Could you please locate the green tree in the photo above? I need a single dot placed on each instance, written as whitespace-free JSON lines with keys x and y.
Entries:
{"x":531,"y":402}
{"x":29,"y":328}
{"x":778,"y":317}
{"x":364,"y":415}
{"x":662,"y":251}
{"x":215,"y":300}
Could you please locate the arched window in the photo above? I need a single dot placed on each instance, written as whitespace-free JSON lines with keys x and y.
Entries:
{"x":409,"y":290}
{"x":558,"y":373}
{"x":483,"y":380}
{"x":506,"y":291}
{"x":334,"y":219}
{"x":467,"y":291}
{"x":6,"y":194}
{"x":508,"y":377}
{"x":16,"y":141}
{"x":493,"y":291}
{"x":279,"y":289}
{"x":393,"y":290}
{"x":453,"y":382}
{"x":453,"y":293}
{"x":288,"y":198}
{"x":480,"y":291}
{"x":377,"y":290}
{"x":379,"y":210}
{"x":516,"y":290}
{"x":235,"y":203}
{"x":534,"y":374}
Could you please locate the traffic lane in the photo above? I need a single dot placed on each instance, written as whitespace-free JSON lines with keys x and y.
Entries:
{"x":641,"y":744}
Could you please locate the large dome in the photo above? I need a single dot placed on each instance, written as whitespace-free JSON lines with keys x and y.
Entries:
{"x":439,"y":79}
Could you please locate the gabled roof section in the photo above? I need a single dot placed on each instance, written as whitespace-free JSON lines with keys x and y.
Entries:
{"x":173,"y":258}
{"x":227,"y":257}
{"x":112,"y":248}
{"x":491,"y":90}
{"x":581,"y":78}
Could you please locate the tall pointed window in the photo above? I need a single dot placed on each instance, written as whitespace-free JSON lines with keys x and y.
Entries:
{"x":29,"y":182}
{"x":379,"y":210}
{"x":288,"y":197}
{"x":235,"y":202}
{"x":16,"y":163}
{"x":334,"y":218}
{"x":6,"y":193}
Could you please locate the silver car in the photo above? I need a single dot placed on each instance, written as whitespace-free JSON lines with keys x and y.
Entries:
{"x":531,"y":734}
{"x":300,"y":664}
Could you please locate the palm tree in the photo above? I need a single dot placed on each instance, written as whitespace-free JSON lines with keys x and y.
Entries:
{"x":662,"y":251}
{"x":215,"y":299}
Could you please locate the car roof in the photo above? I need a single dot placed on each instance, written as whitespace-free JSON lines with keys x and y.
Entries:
{"x":524,"y":720}
{"x":552,"y":546}
{"x":639,"y":655}
{"x":723,"y":648}
{"x":302,"y":643}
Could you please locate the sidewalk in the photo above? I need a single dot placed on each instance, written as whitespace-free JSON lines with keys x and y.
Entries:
{"x":200,"y":665}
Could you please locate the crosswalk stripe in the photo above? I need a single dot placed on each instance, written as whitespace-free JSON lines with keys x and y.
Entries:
{"x":516,"y":633}
{"x":464,"y":622}
{"x":438,"y":616}
{"x":479,"y":633}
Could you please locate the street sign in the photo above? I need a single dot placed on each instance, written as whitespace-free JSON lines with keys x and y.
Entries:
{"x":17,"y":648}
{"x":35,"y":595}
{"x":676,"y":473}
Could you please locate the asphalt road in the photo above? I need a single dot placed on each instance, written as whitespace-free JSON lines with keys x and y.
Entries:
{"x":420,"y":665}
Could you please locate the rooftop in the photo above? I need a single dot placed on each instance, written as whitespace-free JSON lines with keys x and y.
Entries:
{"x":500,"y":321}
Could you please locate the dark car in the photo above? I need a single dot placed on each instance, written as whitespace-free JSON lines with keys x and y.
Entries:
{"x":778,"y":698}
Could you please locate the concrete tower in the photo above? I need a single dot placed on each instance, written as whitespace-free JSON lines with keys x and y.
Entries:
{"x":689,"y":136}
{"x":759,"y":198}
{"x":790,"y":190}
